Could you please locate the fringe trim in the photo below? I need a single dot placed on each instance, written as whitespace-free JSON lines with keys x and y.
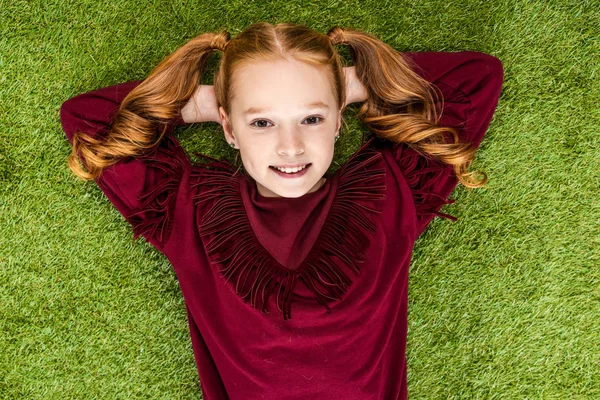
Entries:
{"x":158,"y":203}
{"x":232,"y":243}
{"x":421,"y":173}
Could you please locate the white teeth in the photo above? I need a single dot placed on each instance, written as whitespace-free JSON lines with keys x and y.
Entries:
{"x":291,"y":170}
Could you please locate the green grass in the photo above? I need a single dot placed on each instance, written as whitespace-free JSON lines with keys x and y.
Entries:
{"x":504,"y":303}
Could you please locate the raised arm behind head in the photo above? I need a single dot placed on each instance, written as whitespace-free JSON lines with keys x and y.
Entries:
{"x":146,"y":113}
{"x":401,"y":106}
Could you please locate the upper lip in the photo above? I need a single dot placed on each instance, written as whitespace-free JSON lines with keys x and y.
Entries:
{"x":290,"y":165}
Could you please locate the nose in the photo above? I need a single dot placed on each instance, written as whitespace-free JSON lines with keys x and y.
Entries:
{"x":290,"y":142}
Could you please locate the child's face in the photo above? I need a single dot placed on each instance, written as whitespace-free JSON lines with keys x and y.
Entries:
{"x":288,"y":132}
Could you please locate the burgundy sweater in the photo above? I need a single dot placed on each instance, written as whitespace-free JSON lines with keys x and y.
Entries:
{"x":295,"y":298}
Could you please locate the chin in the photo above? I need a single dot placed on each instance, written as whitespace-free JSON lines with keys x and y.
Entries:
{"x":290,"y":194}
{"x":287,"y":192}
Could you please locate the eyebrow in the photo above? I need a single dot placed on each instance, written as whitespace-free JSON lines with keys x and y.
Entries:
{"x":254,"y":110}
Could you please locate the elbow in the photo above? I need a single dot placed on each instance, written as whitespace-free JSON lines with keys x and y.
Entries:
{"x":492,"y":70}
{"x":70,"y":116}
{"x":67,"y":119}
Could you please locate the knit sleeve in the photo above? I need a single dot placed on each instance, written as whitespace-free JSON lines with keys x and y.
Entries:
{"x":470,"y":83}
{"x":142,"y":189}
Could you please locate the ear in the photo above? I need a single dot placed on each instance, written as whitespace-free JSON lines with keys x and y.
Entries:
{"x":339,"y":122}
{"x":227,"y":128}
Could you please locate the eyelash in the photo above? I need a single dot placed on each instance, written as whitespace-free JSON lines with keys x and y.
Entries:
{"x":263,"y":127}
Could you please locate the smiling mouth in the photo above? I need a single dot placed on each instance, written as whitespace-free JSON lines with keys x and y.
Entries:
{"x":290,"y":170}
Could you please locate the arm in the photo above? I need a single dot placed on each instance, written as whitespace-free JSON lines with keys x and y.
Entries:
{"x":92,"y":112}
{"x":470,"y":83}
{"x":356,"y":91}
{"x":202,"y":106}
{"x":142,"y":189}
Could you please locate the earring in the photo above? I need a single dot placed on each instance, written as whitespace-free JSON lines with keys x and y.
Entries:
{"x":337,"y":137}
{"x":232,"y":145}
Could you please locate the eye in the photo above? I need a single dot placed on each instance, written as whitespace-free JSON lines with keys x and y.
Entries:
{"x":259,"y":120}
{"x":314,"y":116}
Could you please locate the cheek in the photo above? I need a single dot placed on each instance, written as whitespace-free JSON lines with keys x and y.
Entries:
{"x":328,"y":156}
{"x":323,"y":149}
{"x":253,"y":156}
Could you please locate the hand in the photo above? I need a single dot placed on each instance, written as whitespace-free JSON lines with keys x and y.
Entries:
{"x":356,"y":91}
{"x":202,"y":106}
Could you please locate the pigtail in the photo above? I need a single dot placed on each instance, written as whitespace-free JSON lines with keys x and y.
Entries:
{"x":145,"y":113}
{"x":401,"y":105}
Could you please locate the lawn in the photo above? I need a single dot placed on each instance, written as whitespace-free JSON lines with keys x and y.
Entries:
{"x":504,"y":303}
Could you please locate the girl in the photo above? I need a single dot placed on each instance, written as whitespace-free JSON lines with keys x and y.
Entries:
{"x":279,"y":233}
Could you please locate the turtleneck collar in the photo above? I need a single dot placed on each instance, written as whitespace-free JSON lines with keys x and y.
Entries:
{"x":287,"y":227}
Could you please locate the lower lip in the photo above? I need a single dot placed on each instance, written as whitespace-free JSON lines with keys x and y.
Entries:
{"x":293,"y":175}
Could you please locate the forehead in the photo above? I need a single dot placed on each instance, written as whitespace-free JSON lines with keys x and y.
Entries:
{"x":280,"y":85}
